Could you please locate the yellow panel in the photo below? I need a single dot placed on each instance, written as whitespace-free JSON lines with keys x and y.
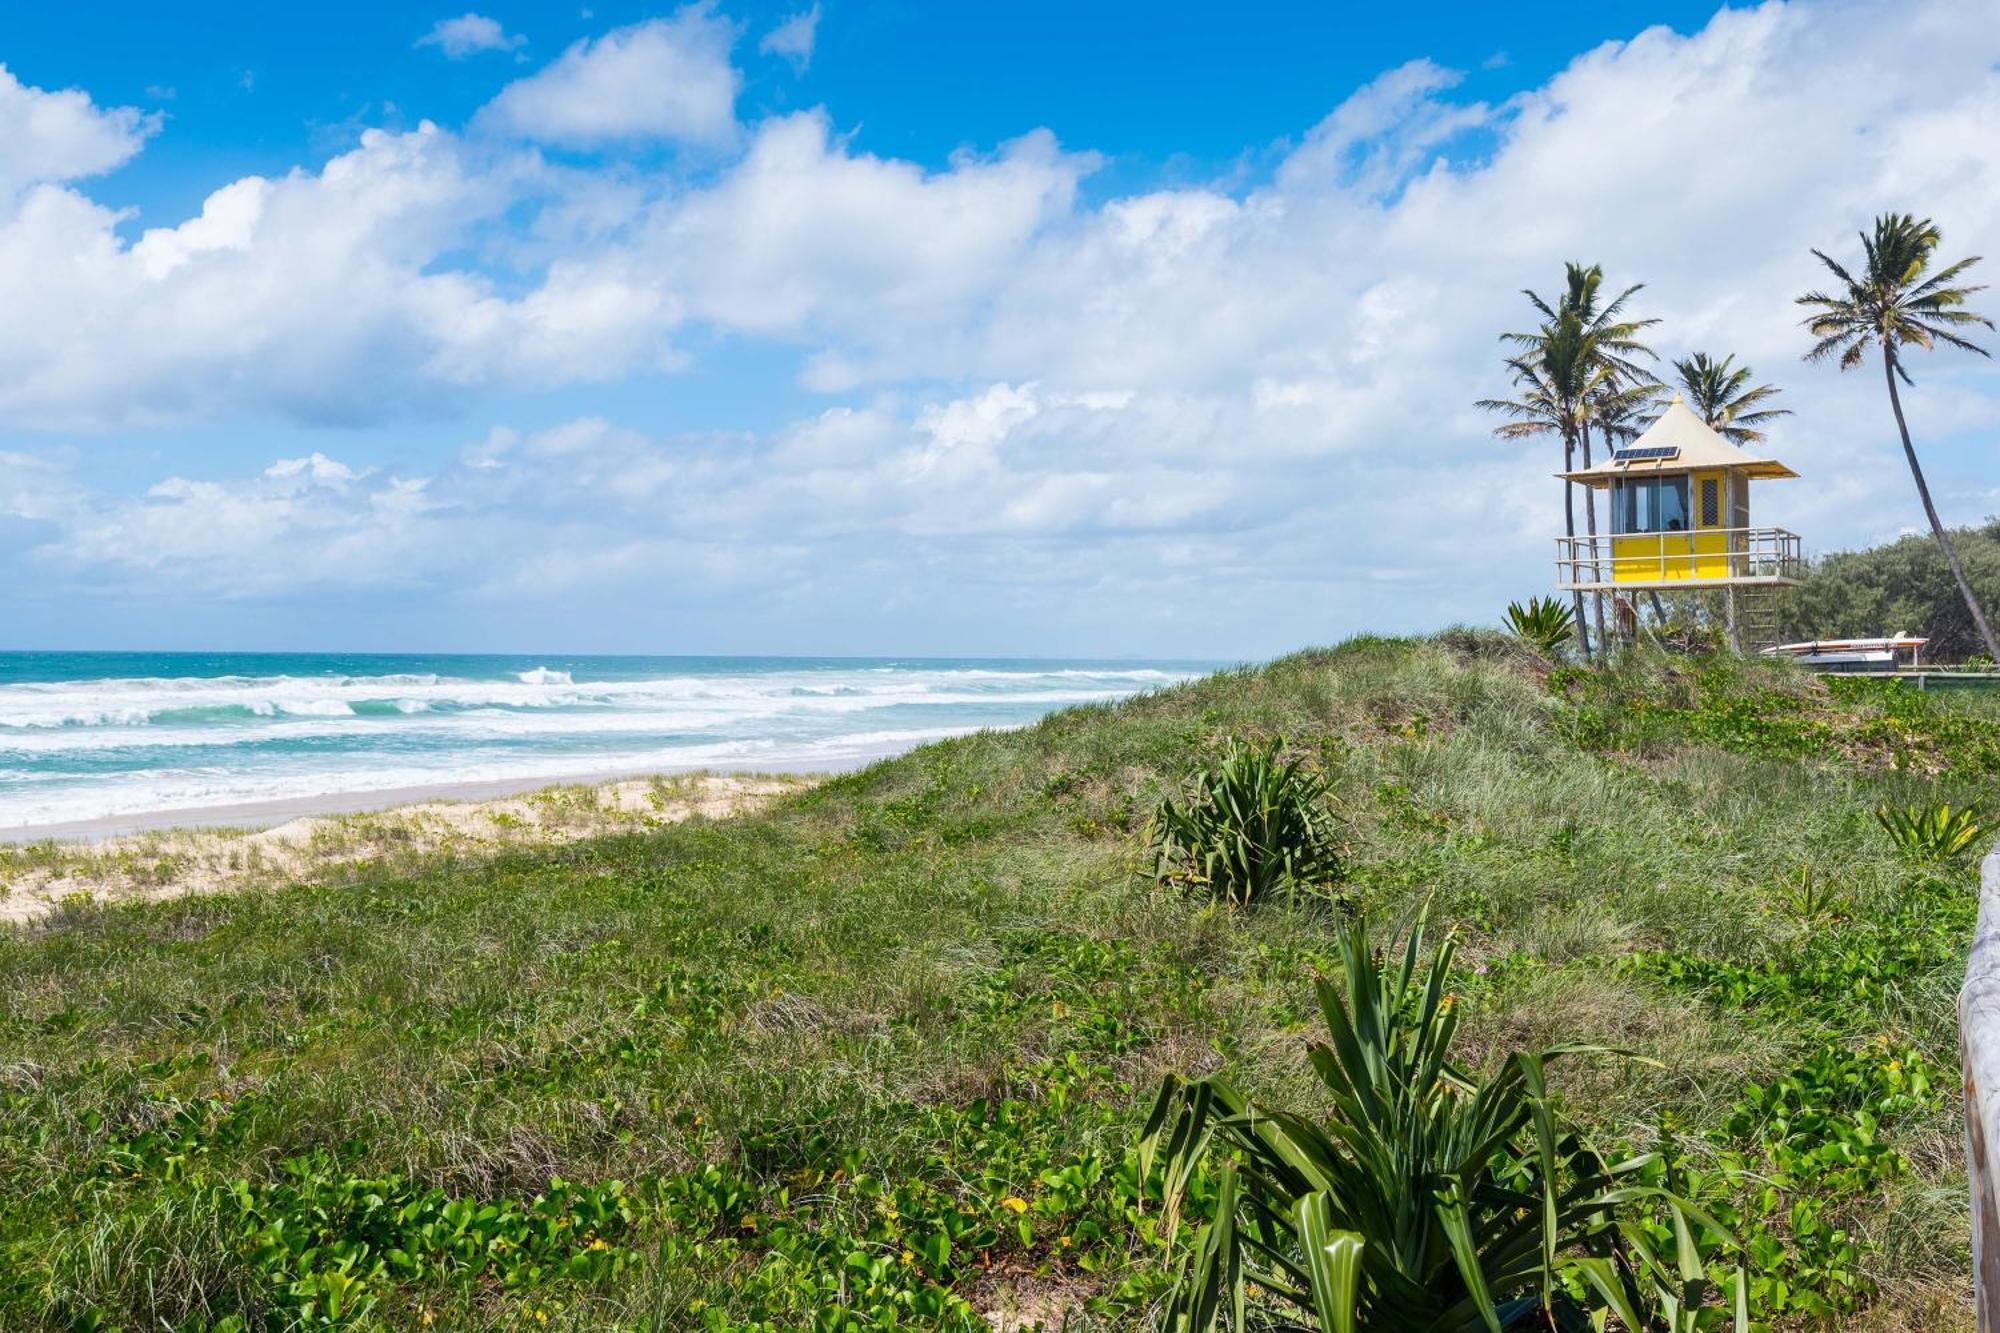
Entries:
{"x":1711,"y":555}
{"x":1662,"y":557}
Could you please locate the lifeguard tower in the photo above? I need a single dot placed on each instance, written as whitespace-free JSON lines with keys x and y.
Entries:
{"x":1680,"y":521}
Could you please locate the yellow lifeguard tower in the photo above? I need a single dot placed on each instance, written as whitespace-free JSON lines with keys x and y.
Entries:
{"x":1680,"y":520}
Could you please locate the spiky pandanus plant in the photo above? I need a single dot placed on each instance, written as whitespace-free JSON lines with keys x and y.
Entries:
{"x":1936,"y":832}
{"x":1429,"y":1201}
{"x":1894,"y":302}
{"x":1251,"y":824}
{"x":1543,"y":623}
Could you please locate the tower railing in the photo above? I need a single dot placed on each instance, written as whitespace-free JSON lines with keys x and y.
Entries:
{"x":1678,"y":559}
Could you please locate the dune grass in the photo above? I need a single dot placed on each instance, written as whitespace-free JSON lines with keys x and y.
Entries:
{"x":874,"y":1057}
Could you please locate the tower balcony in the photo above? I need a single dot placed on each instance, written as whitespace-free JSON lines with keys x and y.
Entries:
{"x":1704,"y":558}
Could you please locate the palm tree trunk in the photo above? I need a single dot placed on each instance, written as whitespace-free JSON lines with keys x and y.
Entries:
{"x":1930,"y":512}
{"x":1590,"y":521}
{"x":1569,"y":530}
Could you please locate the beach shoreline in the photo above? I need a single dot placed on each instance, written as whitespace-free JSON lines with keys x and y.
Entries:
{"x":279,"y":844}
{"x":254,"y":815}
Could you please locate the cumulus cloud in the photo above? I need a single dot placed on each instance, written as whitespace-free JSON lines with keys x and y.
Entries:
{"x":665,"y":79}
{"x":804,"y":233}
{"x":301,"y":523}
{"x":63,"y":136}
{"x":793,"y":39}
{"x":469,"y":35}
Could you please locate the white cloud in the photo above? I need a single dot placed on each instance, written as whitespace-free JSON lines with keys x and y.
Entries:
{"x":793,"y":39}
{"x":469,"y":35}
{"x":63,"y":136}
{"x":803,"y":234}
{"x":664,"y":79}
{"x":1256,"y":397}
{"x":302,"y":523}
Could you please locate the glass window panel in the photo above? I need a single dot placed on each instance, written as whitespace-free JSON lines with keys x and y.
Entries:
{"x":1671,"y":513}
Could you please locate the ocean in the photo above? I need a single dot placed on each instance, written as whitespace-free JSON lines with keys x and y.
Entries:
{"x":101,"y":736}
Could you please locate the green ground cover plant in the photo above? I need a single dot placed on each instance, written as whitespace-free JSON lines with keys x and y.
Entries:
{"x":879,"y":1056}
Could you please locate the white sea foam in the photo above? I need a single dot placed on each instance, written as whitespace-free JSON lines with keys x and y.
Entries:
{"x":88,"y":749}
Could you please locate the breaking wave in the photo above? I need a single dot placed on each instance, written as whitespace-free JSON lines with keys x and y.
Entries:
{"x":109,"y":744}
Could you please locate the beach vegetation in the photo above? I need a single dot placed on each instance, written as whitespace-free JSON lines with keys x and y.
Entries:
{"x":1901,"y":587}
{"x":1934,"y":832}
{"x":1430,"y":1198}
{"x":879,"y":1054}
{"x":1543,"y":623}
{"x":1250,"y":825}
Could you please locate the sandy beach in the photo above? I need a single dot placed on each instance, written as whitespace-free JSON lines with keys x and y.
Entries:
{"x":169,"y":854}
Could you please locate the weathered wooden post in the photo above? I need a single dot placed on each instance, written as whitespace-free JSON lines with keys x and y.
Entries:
{"x":1979,"y":1054}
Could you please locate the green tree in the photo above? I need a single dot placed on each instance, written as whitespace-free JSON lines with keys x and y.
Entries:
{"x":1891,"y":305}
{"x":1720,"y":393}
{"x":1597,"y":347}
{"x":1550,"y":385}
{"x":1902,"y":587}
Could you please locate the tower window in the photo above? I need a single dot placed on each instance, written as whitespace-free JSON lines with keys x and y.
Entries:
{"x":1649,"y":504}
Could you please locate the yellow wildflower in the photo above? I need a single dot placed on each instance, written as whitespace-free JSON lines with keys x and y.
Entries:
{"x":1014,"y":1203}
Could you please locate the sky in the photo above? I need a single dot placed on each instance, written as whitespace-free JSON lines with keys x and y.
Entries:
{"x":894,"y":327}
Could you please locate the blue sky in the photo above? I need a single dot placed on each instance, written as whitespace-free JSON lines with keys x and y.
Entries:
{"x":902,"y":327}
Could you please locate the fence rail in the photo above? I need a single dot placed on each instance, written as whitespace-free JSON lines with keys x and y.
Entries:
{"x":1634,"y":559}
{"x":1979,"y":1057}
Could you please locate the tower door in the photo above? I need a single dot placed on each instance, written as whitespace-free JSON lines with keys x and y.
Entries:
{"x":1713,"y":540}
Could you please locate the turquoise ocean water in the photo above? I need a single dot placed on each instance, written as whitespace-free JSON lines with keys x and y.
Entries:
{"x":87,"y":736}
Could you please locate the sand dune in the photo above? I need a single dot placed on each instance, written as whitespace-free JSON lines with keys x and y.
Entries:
{"x":38,"y":878}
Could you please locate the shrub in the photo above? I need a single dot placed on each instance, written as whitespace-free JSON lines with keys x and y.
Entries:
{"x":1937,"y":832}
{"x":1543,"y":623}
{"x":1430,"y":1201}
{"x":1251,"y":824}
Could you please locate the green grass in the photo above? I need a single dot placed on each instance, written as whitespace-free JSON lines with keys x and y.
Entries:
{"x":875,"y":1057}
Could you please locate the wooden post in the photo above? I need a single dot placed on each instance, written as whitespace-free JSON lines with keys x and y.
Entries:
{"x":1979,"y":1058}
{"x":1729,"y":619}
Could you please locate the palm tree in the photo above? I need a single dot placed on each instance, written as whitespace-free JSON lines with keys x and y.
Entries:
{"x":1721,"y":395}
{"x":1597,"y":362}
{"x":1552,"y":386}
{"x":1892,"y":304}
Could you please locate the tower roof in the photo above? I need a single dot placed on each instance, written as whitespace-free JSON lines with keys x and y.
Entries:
{"x":1678,"y":442}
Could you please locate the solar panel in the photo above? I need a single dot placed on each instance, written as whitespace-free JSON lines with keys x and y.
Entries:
{"x":1649,"y":452}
